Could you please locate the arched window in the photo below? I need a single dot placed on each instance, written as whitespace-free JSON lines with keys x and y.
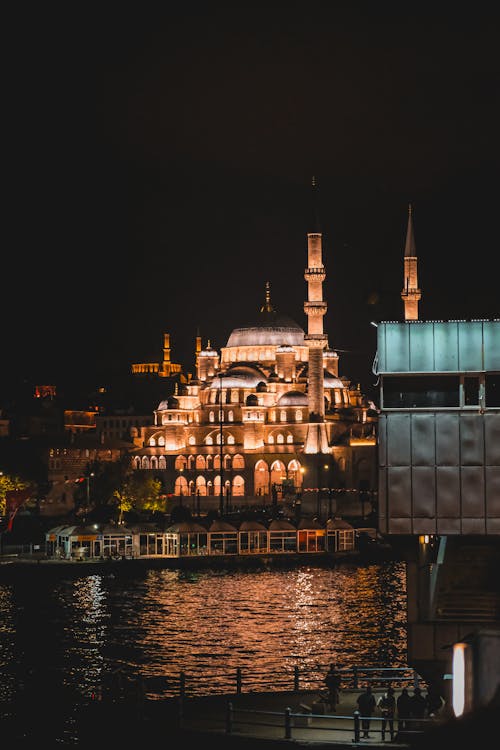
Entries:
{"x":234,"y":396}
{"x":295,"y":473}
{"x":201,"y":486}
{"x":152,"y":441}
{"x":227,"y":462}
{"x":191,"y":460}
{"x":145,"y":462}
{"x":208,"y":440}
{"x":298,"y":415}
{"x":211,"y":417}
{"x":230,"y":439}
{"x":209,"y":462}
{"x":210,"y":487}
{"x":282,"y":415}
{"x":238,"y":486}
{"x":137,"y":462}
{"x":272,"y":416}
{"x":238,"y":461}
{"x":200,"y":463}
{"x":270,"y":439}
{"x":280,"y":438}
{"x":289,"y":438}
{"x":161,"y":440}
{"x":191,"y":440}
{"x":217,"y":462}
{"x":180,"y":462}
{"x":278,"y":471}
{"x":191,"y":487}
{"x":162,"y":462}
{"x":261,"y":478}
{"x":230,"y":416}
{"x":154,"y":462}
{"x":181,"y":486}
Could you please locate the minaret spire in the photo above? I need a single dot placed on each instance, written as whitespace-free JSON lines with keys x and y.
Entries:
{"x":315,"y":308}
{"x":411,"y":294}
{"x":267,"y":306}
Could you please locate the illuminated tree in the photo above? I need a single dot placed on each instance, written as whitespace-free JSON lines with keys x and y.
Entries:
{"x":139,"y":493}
{"x":10,"y":482}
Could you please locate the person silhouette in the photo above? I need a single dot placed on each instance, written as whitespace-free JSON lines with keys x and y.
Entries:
{"x":332,"y":681}
{"x":366,"y":704}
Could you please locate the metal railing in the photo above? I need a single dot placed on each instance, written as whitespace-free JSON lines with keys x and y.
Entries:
{"x":295,"y":679}
{"x":289,"y":724}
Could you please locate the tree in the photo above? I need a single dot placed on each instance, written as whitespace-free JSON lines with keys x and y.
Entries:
{"x":140,"y":493}
{"x":9,"y":482}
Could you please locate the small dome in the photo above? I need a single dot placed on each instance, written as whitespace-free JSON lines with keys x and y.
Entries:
{"x":169,"y":403}
{"x":252,"y":400}
{"x":293,"y":398}
{"x":330,"y":381}
{"x":330,"y":354}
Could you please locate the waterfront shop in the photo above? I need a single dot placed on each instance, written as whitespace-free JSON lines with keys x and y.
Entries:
{"x":193,"y":538}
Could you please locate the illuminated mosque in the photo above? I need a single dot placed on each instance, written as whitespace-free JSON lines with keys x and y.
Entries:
{"x":268,"y":415}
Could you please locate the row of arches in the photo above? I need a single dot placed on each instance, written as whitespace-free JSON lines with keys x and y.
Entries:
{"x":204,"y":487}
{"x":266,"y":475}
{"x":201,"y":463}
{"x":209,"y":462}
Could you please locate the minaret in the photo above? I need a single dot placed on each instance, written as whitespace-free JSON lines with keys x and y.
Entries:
{"x":166,"y":365}
{"x":197,"y":349}
{"x":315,"y":308}
{"x":411,"y":293}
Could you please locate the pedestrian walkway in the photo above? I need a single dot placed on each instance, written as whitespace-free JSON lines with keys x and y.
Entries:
{"x":276,"y":719}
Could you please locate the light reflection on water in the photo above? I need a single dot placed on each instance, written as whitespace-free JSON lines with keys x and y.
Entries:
{"x":67,"y":634}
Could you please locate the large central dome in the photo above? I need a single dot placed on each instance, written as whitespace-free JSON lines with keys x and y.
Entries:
{"x":270,"y":329}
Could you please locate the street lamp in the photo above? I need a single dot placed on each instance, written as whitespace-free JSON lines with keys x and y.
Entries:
{"x":181,"y":469}
{"x":221,"y":441}
{"x":88,"y":487}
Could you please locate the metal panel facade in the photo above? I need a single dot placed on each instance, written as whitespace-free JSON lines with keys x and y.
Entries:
{"x":455,"y":346}
{"x":491,"y":345}
{"x":439,"y":468}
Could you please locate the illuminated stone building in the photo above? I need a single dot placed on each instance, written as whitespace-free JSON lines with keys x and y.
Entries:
{"x":164,"y":369}
{"x":266,"y":416}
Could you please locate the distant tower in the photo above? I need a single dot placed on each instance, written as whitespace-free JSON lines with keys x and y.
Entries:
{"x":197,"y":349}
{"x":411,"y":293}
{"x":315,"y":308}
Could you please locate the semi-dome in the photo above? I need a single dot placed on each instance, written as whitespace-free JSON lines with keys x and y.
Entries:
{"x":239,"y":376}
{"x":331,"y":381}
{"x":293,"y":398}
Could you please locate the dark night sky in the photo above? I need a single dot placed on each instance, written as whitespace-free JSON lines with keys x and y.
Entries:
{"x":160,"y":163}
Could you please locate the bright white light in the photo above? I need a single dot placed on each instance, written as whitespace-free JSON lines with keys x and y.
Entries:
{"x":459,"y":678}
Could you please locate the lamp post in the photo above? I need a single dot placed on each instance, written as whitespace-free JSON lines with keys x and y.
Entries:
{"x":221,"y":441}
{"x":181,"y":469}
{"x":88,"y":487}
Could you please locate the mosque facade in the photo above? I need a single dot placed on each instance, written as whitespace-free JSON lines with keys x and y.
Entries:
{"x":266,"y":417}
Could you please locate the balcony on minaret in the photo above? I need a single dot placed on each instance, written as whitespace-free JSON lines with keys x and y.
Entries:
{"x":315,"y":308}
{"x":412,"y":292}
{"x":317,"y":273}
